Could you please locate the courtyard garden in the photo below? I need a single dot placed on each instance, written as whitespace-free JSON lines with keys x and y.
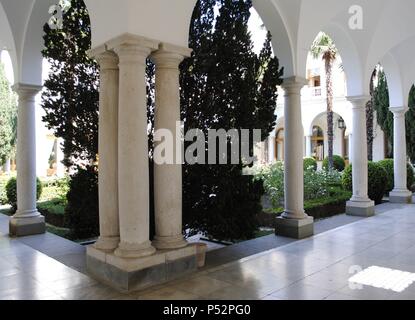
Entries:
{"x":325,"y":191}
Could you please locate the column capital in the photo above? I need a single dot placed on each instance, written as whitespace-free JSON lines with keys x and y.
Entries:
{"x":26,"y":91}
{"x":358,"y":102}
{"x":132,"y":48}
{"x":170,"y":56}
{"x":399,"y":111}
{"x":107,"y":60}
{"x":294,"y":84}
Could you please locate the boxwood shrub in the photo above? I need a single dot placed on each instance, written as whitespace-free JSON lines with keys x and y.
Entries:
{"x":11,"y":192}
{"x":387,"y":164}
{"x":338,"y":163}
{"x":377,"y":181}
{"x":310,"y":163}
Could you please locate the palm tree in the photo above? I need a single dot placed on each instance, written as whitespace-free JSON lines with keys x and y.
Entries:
{"x":323,"y":46}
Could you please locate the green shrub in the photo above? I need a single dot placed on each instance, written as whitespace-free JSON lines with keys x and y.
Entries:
{"x":377,"y":180}
{"x":338,"y":163}
{"x":55,"y":189}
{"x":11,"y":192}
{"x":310,"y":163}
{"x":317,"y":184}
{"x":387,"y":164}
{"x":81,"y":212}
{"x":3,"y":194}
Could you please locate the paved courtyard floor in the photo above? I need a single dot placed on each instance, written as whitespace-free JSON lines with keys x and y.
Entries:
{"x":371,"y":258}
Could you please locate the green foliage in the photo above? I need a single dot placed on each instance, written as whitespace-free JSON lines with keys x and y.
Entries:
{"x":410,"y":125}
{"x":11,"y":192}
{"x":338,"y":163}
{"x":377,"y":181}
{"x":338,"y":196}
{"x":387,"y":164}
{"x":8,"y":116}
{"x":70,"y":96}
{"x":381,"y":105}
{"x":81,"y":213}
{"x":310,"y":163}
{"x":273,"y":181}
{"x":54,"y":206}
{"x":55,"y":189}
{"x":225,"y":85}
{"x":317,"y":184}
{"x":3,"y":195}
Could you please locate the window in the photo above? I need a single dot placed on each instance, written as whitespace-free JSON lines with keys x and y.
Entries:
{"x":317,"y":143}
{"x":279,"y":145}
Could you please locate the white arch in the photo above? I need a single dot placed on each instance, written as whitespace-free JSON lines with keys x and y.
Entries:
{"x":270,"y":13}
{"x":394,"y":78}
{"x":7,"y":41}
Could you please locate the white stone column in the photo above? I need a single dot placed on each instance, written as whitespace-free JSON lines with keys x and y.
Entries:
{"x":360,"y":204}
{"x":27,"y":220}
{"x":294,"y":222}
{"x":7,"y":166}
{"x":400,"y":192}
{"x":168,"y":177}
{"x":308,"y":151}
{"x":133,"y":160}
{"x":108,"y":150}
{"x":350,"y":141}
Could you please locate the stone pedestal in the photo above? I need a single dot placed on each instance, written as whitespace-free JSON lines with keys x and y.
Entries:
{"x":400,"y":192}
{"x":294,"y":222}
{"x":359,"y":204}
{"x":295,"y":228}
{"x":27,"y":220}
{"x":128,"y":275}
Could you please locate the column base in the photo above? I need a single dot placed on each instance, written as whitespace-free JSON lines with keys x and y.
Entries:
{"x":294,"y":228}
{"x":168,"y":243}
{"x":20,"y":227}
{"x":400,"y":196}
{"x":107,"y":244}
{"x":132,"y":251}
{"x":127,"y":275}
{"x":360,"y":208}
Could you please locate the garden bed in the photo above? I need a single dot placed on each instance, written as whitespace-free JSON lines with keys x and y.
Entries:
{"x":317,"y":208}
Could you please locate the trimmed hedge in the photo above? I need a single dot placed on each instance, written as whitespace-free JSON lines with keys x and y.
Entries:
{"x":387,"y":164}
{"x":11,"y":192}
{"x":377,"y":181}
{"x":316,"y":208}
{"x":338,"y":163}
{"x":310,"y":163}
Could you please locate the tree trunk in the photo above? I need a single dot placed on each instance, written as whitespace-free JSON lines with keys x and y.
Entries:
{"x":330,"y":128}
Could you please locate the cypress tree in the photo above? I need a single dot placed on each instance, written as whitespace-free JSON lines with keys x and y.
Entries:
{"x":70,"y":96}
{"x":384,"y":115}
{"x":70,"y":100}
{"x":225,"y":85}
